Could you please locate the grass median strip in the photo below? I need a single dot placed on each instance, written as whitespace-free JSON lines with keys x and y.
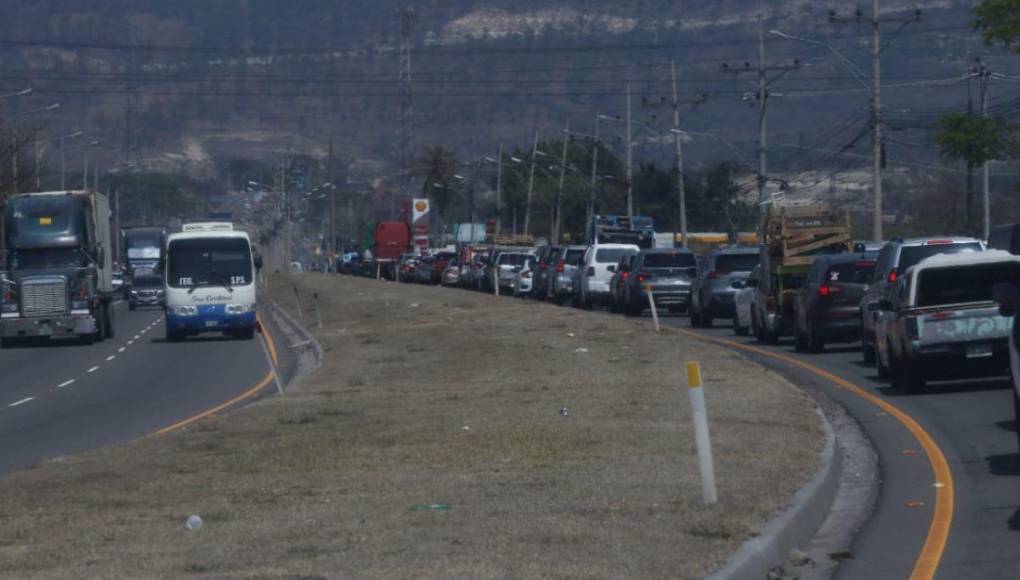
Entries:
{"x":447,"y":434}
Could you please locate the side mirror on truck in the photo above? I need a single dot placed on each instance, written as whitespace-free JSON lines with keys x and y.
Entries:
{"x":258,"y":262}
{"x":1007,"y":296}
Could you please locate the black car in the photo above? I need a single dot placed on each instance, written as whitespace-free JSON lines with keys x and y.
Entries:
{"x":828,"y":307}
{"x":666,"y":273}
{"x":146,"y":291}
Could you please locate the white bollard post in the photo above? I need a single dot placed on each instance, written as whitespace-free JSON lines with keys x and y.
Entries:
{"x":651,"y":304}
{"x":378,"y":271}
{"x":701,"y":438}
{"x":495,"y":281}
{"x":297,"y":301}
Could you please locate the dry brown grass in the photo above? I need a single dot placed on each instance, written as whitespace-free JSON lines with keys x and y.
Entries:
{"x":435,"y":396}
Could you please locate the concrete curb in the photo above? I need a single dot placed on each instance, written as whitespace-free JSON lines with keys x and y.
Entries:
{"x":279,"y":313}
{"x":796,"y":525}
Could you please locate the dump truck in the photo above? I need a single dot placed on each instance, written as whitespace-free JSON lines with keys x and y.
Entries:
{"x":793,"y":236}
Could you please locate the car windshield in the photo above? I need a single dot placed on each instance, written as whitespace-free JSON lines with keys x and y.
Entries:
{"x":197,"y":262}
{"x":147,"y":282}
{"x":911,"y":255}
{"x":726,"y":263}
{"x":574,"y":257}
{"x":670,"y":260}
{"x":851,"y":272}
{"x":964,"y":283}
{"x":612,"y":255}
{"x":46,"y":258}
{"x":512,"y":259}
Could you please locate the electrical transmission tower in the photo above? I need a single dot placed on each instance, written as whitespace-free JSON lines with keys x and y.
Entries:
{"x":405,"y":138}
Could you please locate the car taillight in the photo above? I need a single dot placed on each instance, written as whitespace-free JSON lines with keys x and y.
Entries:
{"x":712,"y":274}
{"x":825,"y":290}
{"x":560,"y":266}
{"x":624,"y":275}
{"x":938,"y":242}
{"x":892,"y":276}
{"x":544,"y":266}
{"x":525,"y":275}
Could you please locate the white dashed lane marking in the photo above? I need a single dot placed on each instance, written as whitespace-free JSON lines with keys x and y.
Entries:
{"x":93,"y":369}
{"x":122,"y":349}
{"x":21,"y":402}
{"x":65,"y":384}
{"x":111,"y":357}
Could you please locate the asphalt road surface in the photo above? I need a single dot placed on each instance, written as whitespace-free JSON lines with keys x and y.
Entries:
{"x":65,"y":398}
{"x":972,"y":424}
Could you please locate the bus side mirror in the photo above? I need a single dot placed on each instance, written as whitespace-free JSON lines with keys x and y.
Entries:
{"x":258,"y":262}
{"x":1007,"y":296}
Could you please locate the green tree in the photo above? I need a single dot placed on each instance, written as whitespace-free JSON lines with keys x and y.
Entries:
{"x":999,"y":22}
{"x":973,"y":140}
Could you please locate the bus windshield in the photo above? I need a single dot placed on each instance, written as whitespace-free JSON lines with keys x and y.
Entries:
{"x":198,"y":262}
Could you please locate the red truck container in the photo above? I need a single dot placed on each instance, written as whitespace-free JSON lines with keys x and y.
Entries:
{"x":391,"y":240}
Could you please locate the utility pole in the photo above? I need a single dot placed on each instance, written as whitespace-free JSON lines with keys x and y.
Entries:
{"x":406,"y":137}
{"x":876,"y":122}
{"x":554,"y":238}
{"x":499,"y":189}
{"x":762,"y":96}
{"x":594,"y":176}
{"x":986,"y":212}
{"x":38,"y":165}
{"x":332,"y":210}
{"x":876,"y":104}
{"x":471,"y":198}
{"x":531,"y":186}
{"x":630,"y":161}
{"x":681,"y":194}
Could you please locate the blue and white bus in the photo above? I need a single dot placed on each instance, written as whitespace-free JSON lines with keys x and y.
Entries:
{"x":209,"y":272}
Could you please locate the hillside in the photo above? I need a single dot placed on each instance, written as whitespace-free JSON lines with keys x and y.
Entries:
{"x":185,"y":86}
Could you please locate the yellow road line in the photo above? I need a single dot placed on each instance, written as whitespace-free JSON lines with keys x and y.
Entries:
{"x":269,"y":340}
{"x":249,"y":393}
{"x":942,"y":518}
{"x":270,"y":376}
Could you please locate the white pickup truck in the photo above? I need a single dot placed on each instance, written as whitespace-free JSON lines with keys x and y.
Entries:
{"x":942,"y":323}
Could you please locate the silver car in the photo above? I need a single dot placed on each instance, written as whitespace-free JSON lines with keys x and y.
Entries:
{"x":560,"y":287}
{"x":713,"y":293}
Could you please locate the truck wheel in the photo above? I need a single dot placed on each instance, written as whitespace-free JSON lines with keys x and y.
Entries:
{"x":109,"y":319}
{"x":911,"y":379}
{"x":131,"y":306}
{"x":695,"y":319}
{"x":6,"y":343}
{"x":814,"y":343}
{"x":800,"y":344}
{"x":174,"y":336}
{"x":1016,"y":416}
{"x":869,"y":354}
{"x":737,"y":329}
{"x":706,"y":321}
{"x":86,"y":339}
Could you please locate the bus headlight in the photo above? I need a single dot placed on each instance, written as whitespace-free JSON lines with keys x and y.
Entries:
{"x":186,"y":310}
{"x":239,"y":308}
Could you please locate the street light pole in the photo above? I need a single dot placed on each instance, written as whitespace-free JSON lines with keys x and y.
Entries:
{"x":531,"y":186}
{"x":630,"y":161}
{"x":594,"y":176}
{"x":499,"y":189}
{"x":678,"y":142}
{"x":558,"y":207}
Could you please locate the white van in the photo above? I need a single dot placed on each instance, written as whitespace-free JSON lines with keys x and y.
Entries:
{"x":209,"y":275}
{"x":596,"y":271}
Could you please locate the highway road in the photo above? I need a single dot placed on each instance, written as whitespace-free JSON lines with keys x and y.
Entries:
{"x":972,"y":425}
{"x":65,"y":398}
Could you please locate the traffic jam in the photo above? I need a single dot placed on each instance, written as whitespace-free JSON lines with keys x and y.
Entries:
{"x":921,"y":310}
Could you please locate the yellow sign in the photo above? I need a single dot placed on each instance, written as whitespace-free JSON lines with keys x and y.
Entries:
{"x":45,"y":221}
{"x":421,"y":206}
